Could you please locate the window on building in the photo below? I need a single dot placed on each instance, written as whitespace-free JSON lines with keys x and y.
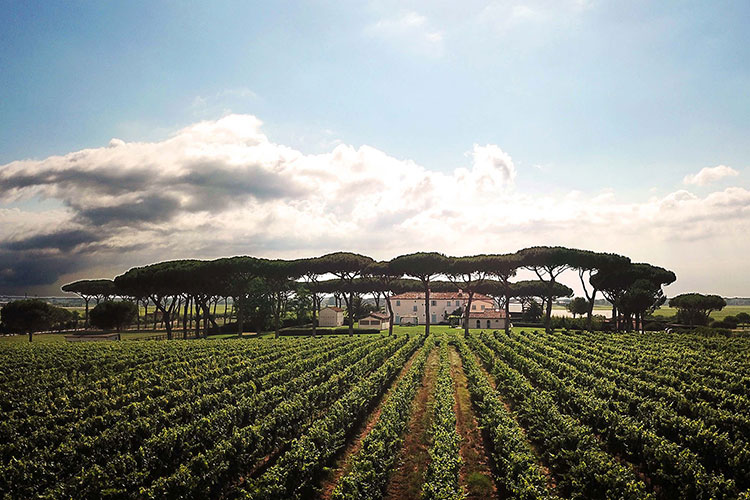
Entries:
{"x":479,"y":325}
{"x":473,"y":307}
{"x":414,"y":309}
{"x":398,"y":302}
{"x":433,"y":302}
{"x":434,"y":319}
{"x":449,"y":303}
{"x":458,"y":303}
{"x":488,"y":323}
{"x":482,"y":307}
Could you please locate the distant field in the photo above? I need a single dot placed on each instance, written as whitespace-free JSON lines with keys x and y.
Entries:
{"x":717,"y":315}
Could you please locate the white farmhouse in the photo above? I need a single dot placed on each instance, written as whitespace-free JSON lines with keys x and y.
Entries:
{"x":331,"y":317}
{"x":408,"y":308}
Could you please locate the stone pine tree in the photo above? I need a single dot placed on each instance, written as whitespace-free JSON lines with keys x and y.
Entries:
{"x":587,"y":264}
{"x":347,"y":267}
{"x":468,"y":274}
{"x":695,"y":308}
{"x":633,"y":290}
{"x":504,"y":267}
{"x":423,"y":266}
{"x":98,"y":290}
{"x":547,"y":263}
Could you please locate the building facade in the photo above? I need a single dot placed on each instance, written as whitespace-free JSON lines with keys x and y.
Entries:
{"x":331,"y":317}
{"x":408,"y":308}
{"x":490,"y":319}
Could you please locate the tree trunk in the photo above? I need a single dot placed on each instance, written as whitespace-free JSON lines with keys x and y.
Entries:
{"x":548,"y":313}
{"x":86,"y":323}
{"x":390,"y":314}
{"x":426,"y":308}
{"x":277,"y":314}
{"x":590,"y":312}
{"x":31,"y":336}
{"x":238,"y":307}
{"x":188,"y":300}
{"x":350,"y":311}
{"x":226,"y":302}
{"x":315,"y":301}
{"x":467,"y":312}
{"x":138,"y":315}
{"x":507,"y":314}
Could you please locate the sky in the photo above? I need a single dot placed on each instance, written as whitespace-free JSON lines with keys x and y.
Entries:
{"x":135,"y":132}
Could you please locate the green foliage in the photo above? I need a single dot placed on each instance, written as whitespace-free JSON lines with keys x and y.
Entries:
{"x":441,"y":480}
{"x":578,"y":306}
{"x":109,"y":315}
{"x":33,"y":315}
{"x":694,"y":308}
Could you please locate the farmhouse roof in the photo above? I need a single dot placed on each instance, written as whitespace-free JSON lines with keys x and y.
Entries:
{"x":440,"y":296}
{"x":337,"y":309}
{"x":487,"y":314}
{"x":378,"y":315}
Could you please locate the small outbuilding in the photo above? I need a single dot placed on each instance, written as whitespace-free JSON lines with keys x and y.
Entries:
{"x":375,"y":320}
{"x":489,"y":319}
{"x":331,"y":317}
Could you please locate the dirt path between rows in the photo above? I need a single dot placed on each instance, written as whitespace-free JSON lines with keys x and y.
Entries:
{"x":408,"y":477}
{"x":476,"y":472}
{"x":354,"y":444}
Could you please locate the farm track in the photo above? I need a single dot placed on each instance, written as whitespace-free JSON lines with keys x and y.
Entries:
{"x":407,"y":478}
{"x":342,"y":463}
{"x":476,"y":470}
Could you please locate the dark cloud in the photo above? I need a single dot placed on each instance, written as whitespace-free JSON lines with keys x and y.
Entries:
{"x":214,"y":183}
{"x":107,"y":179}
{"x":65,"y":241}
{"x":21,"y":270}
{"x":154,"y":209}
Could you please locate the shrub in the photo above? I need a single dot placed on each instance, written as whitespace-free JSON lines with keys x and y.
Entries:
{"x":109,"y":314}
{"x":33,"y":315}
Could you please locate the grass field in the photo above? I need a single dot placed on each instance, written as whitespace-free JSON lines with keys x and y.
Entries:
{"x":717,"y":315}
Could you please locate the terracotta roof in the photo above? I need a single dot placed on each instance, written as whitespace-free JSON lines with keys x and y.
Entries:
{"x":337,"y":309}
{"x":487,"y":314}
{"x":440,"y":296}
{"x":378,"y":315}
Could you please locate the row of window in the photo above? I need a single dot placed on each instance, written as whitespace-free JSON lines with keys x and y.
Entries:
{"x":434,"y":303}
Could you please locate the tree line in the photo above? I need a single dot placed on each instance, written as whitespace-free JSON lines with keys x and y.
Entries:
{"x":634,"y":289}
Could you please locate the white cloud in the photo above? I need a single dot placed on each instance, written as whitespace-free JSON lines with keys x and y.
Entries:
{"x":409,"y":31}
{"x":222,"y":187}
{"x":708,"y":175}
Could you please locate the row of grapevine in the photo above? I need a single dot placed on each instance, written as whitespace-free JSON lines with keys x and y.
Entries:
{"x":295,"y":474}
{"x":369,"y":468}
{"x":703,"y":430}
{"x":517,"y":471}
{"x":675,"y":470}
{"x":441,"y":480}
{"x":582,"y":469}
{"x":119,"y":450}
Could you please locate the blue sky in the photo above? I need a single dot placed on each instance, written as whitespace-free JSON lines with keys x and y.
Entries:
{"x":591,"y":100}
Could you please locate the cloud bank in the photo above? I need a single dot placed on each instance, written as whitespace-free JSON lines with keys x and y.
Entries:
{"x":223,"y":187}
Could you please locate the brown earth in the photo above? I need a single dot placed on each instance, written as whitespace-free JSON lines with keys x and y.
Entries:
{"x":408,"y":477}
{"x":476,"y":474}
{"x":354,"y":444}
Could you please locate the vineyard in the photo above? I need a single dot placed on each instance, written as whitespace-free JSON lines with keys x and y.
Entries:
{"x":493,"y":415}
